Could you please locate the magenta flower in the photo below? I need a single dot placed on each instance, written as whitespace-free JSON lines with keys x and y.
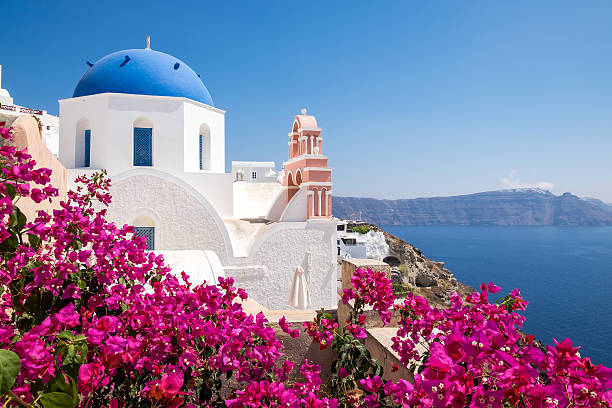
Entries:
{"x":68,"y":317}
{"x":287,"y":329}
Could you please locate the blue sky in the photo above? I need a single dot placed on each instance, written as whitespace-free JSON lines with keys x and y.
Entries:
{"x":414,"y":98}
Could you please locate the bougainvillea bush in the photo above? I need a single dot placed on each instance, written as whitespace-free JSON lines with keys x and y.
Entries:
{"x":89,"y":318}
{"x":472,"y":354}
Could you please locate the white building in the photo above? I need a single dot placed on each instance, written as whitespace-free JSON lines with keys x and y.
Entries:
{"x":254,"y":172}
{"x":148,"y":119}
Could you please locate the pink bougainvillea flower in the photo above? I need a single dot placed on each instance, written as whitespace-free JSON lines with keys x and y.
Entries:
{"x":90,"y":376}
{"x":68,"y":317}
{"x":357,"y":331}
{"x":287,"y":328}
{"x":565,"y":349}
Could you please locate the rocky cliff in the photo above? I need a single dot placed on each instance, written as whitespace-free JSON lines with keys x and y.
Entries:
{"x":413,"y":271}
{"x":506,"y":207}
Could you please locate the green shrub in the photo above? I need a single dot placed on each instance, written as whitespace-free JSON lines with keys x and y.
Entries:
{"x":404,"y":269}
{"x":362,"y":229}
{"x":401,"y":289}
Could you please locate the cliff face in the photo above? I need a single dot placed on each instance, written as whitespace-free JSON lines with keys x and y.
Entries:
{"x":507,"y":207}
{"x":425,"y":277}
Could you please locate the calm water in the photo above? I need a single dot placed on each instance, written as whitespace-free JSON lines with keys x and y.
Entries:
{"x":565,"y":274}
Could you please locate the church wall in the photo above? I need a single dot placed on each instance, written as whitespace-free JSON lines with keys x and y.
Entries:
{"x":129,"y":111}
{"x":111,"y":117}
{"x":254,"y":200}
{"x":74,"y":113}
{"x":277,"y":208}
{"x":268,"y":273}
{"x":216,"y":188}
{"x":297,"y":209}
{"x":194,"y":117}
{"x":27,"y":135}
{"x":183,"y":219}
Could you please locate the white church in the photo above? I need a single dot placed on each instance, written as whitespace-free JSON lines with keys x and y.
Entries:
{"x":147,"y":118}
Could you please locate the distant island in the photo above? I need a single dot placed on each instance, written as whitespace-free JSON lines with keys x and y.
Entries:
{"x":529,"y":207}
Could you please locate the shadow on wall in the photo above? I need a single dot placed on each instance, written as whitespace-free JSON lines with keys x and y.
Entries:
{"x":27,"y":136}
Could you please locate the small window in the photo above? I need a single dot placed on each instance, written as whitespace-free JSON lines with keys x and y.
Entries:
{"x":254,"y":175}
{"x":340,"y":227}
{"x":143,"y":146}
{"x":148,"y":233}
{"x":201,"y":152}
{"x":87,"y":160}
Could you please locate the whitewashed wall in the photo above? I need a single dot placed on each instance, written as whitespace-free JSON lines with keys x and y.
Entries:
{"x":296,"y":209}
{"x":267,"y":274}
{"x":176,"y":125}
{"x":184,"y":219}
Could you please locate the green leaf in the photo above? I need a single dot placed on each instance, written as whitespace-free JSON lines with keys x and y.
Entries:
{"x":59,"y":384}
{"x":77,"y":244}
{"x":10,"y":244}
{"x":10,"y":365}
{"x":12,"y":219}
{"x":81,"y":284}
{"x":66,"y":334}
{"x":70,"y":356}
{"x":10,"y":190}
{"x":57,"y":400}
{"x":21,"y":219}
{"x":35,"y":241}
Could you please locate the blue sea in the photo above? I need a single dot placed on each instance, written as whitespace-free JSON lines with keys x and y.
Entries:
{"x":564,"y":272}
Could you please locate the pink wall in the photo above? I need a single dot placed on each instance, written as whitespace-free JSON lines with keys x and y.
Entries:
{"x":27,"y":135}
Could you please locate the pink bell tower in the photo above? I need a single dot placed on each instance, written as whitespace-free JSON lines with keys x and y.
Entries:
{"x":307,"y":167}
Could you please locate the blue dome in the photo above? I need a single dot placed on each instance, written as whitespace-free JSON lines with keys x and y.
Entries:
{"x":143,"y":72}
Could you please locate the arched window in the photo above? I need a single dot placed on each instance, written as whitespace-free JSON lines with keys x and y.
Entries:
{"x":325,"y":204}
{"x":144,"y":226}
{"x":87,"y":148}
{"x":143,"y":142}
{"x":82,"y":153}
{"x":315,"y":203}
{"x":204,"y":149}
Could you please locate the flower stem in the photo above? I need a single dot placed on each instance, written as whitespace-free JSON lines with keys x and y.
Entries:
{"x":18,"y":400}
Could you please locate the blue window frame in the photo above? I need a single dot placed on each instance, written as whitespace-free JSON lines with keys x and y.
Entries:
{"x":87,"y":157}
{"x":201,"y":152}
{"x":148,"y":233}
{"x":143,"y":146}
